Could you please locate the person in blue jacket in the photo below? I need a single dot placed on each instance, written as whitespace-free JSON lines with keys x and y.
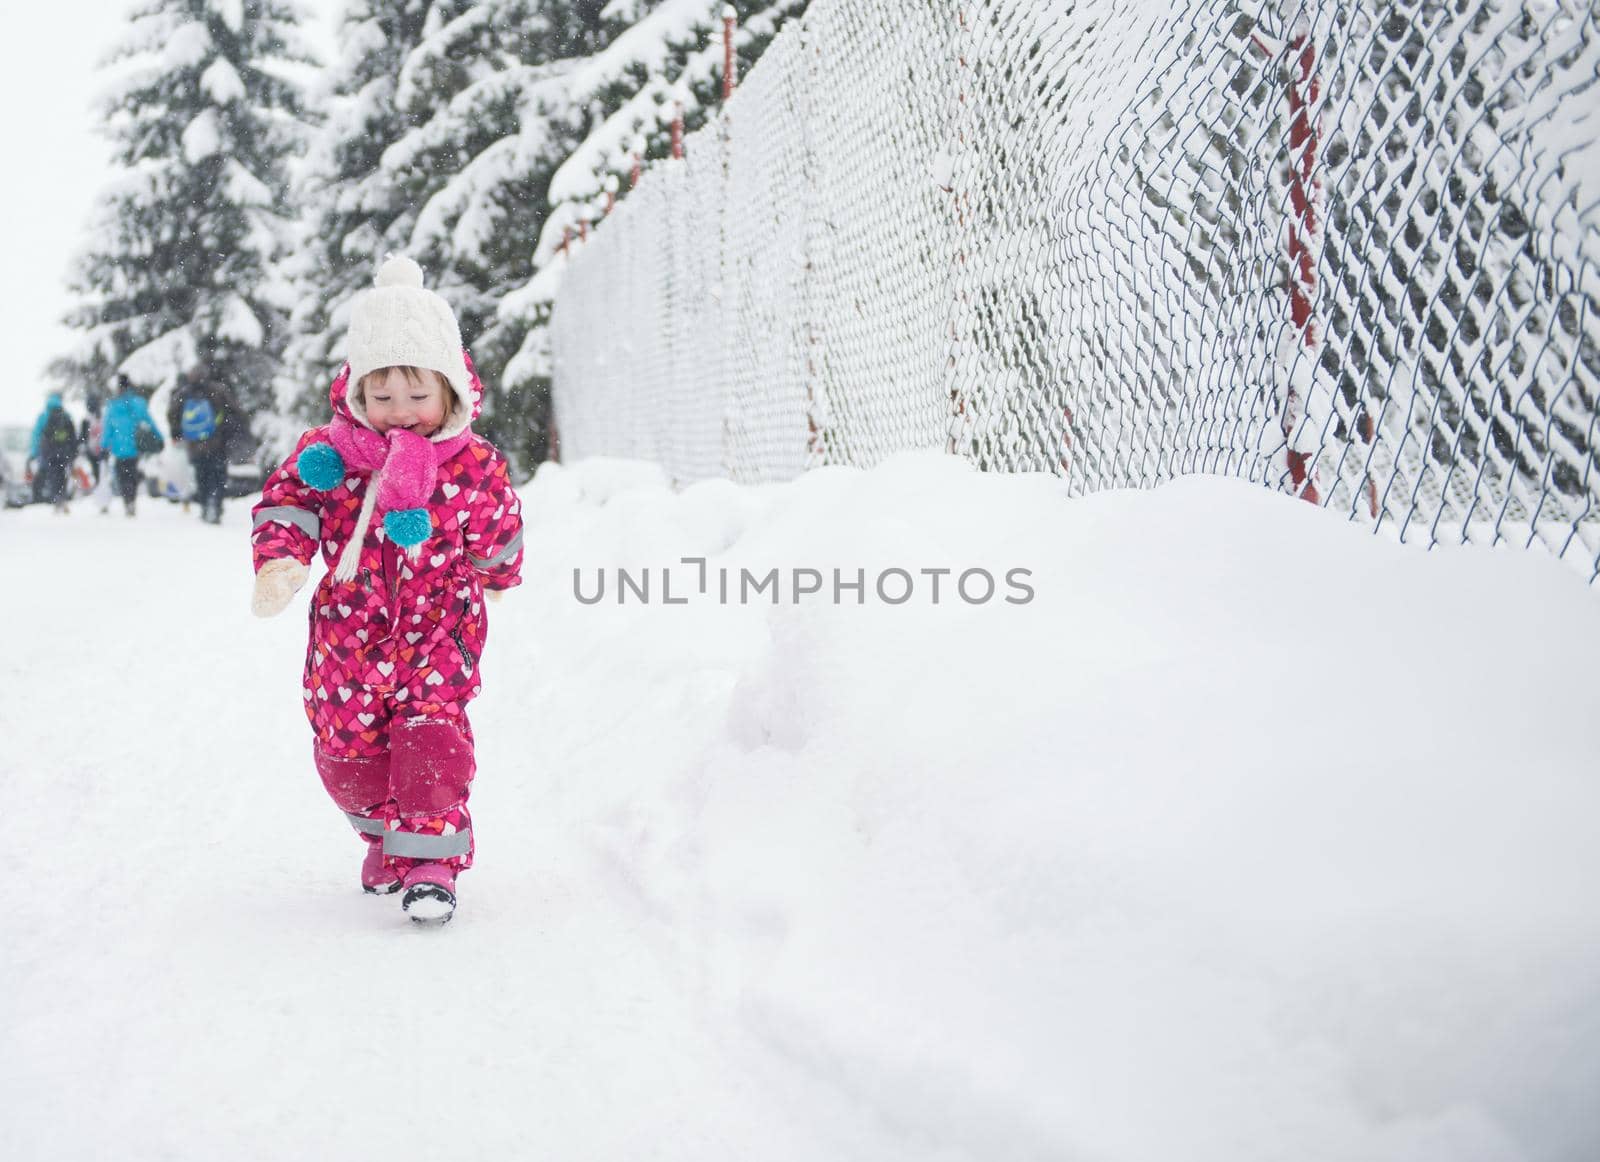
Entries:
{"x":128,"y":432}
{"x":54,"y":444}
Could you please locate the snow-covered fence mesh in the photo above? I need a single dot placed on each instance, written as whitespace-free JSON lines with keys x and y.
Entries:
{"x":1347,"y":249}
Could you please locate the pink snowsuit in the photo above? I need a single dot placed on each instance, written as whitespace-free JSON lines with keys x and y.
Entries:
{"x":393,"y":655}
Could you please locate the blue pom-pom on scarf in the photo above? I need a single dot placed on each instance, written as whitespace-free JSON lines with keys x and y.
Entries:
{"x":407,"y":526}
{"x":320,"y":466}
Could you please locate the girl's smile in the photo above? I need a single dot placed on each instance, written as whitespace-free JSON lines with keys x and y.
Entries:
{"x":403,"y":397}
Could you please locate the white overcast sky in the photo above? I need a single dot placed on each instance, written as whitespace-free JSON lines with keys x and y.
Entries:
{"x":48,"y":83}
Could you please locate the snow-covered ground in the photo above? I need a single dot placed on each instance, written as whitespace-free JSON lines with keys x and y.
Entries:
{"x":1250,"y":837}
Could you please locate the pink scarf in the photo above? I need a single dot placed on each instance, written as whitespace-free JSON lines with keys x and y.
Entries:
{"x":403,"y":465}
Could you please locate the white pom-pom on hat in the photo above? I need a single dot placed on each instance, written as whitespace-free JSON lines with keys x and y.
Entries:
{"x":398,"y":270}
{"x":400,"y":323}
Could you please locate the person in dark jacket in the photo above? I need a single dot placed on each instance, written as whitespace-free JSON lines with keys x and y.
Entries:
{"x":54,"y":444}
{"x":204,"y":417}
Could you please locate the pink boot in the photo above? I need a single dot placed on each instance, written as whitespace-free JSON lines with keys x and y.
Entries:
{"x":376,"y":879}
{"x":430,"y":893}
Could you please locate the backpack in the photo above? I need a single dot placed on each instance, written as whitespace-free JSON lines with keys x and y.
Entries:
{"x":199,"y":419}
{"x":60,"y":433}
{"x":146,"y":440}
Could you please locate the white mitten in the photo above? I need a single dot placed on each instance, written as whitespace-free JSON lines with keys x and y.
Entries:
{"x":276,"y":583}
{"x":495,"y":595}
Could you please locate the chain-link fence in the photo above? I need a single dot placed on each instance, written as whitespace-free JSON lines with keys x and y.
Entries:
{"x":1348,"y":249}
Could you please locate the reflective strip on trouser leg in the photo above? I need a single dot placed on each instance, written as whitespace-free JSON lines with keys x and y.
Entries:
{"x":364,"y":825}
{"x":409,"y":845}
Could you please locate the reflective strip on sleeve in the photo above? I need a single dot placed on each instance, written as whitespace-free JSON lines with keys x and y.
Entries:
{"x":287,"y":514}
{"x":362,"y":823}
{"x":409,"y":846}
{"x":509,"y":551}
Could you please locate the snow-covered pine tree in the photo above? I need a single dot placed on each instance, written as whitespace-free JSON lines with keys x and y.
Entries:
{"x":485,"y":91}
{"x":353,"y":209}
{"x":179,"y":268}
{"x":501,"y":96}
{"x":663,"y":57}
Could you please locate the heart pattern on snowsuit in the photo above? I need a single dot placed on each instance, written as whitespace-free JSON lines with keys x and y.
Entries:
{"x":401,"y":640}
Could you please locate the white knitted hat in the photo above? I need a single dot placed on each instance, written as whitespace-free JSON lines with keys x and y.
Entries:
{"x":399,"y":324}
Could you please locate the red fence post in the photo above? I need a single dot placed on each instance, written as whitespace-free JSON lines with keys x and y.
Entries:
{"x":1366,"y":427}
{"x":677,"y":131}
{"x":1305,"y":196}
{"x":729,"y":16}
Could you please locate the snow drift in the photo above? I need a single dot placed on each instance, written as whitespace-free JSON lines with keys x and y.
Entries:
{"x":1250,"y":836}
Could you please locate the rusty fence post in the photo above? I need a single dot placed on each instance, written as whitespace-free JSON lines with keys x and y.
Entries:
{"x":729,"y":17}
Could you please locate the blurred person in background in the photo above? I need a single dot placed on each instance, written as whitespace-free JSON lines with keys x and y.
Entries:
{"x":128,"y":432}
{"x":203,"y":416}
{"x":54,"y":445}
{"x":89,"y":434}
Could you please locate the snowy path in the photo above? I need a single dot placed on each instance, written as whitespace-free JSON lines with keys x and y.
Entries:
{"x":1251,"y":837}
{"x":193,"y":973}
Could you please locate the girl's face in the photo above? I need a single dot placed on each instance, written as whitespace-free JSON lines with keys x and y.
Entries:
{"x":405,"y":397}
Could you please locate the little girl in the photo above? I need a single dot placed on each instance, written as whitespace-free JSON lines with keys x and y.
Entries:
{"x":415,"y":517}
